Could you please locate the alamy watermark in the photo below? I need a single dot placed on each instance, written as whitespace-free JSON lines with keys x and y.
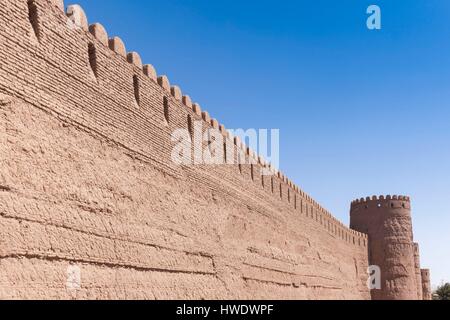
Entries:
{"x":374,"y":19}
{"x":195,"y":146}
{"x":73,"y":281}
{"x":374,"y":280}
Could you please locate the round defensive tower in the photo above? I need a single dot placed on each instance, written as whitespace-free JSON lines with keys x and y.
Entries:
{"x":387,"y":221}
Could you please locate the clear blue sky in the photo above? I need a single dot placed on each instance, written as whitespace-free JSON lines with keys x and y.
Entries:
{"x":360,"y":112}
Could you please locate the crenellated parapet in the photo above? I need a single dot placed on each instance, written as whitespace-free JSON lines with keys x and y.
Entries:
{"x":389,"y":201}
{"x":78,"y":17}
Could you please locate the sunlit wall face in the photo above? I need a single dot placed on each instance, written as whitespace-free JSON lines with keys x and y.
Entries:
{"x":359,"y":111}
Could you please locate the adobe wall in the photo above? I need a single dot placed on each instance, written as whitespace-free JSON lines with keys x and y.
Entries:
{"x":86,"y":179}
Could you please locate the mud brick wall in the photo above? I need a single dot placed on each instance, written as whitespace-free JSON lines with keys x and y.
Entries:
{"x":86,"y":180}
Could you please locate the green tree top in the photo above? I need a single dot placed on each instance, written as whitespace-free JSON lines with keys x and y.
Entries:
{"x":442,"y":292}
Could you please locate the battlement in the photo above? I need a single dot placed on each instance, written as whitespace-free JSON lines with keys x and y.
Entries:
{"x":380,"y":198}
{"x":79,"y":18}
{"x":395,"y":201}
